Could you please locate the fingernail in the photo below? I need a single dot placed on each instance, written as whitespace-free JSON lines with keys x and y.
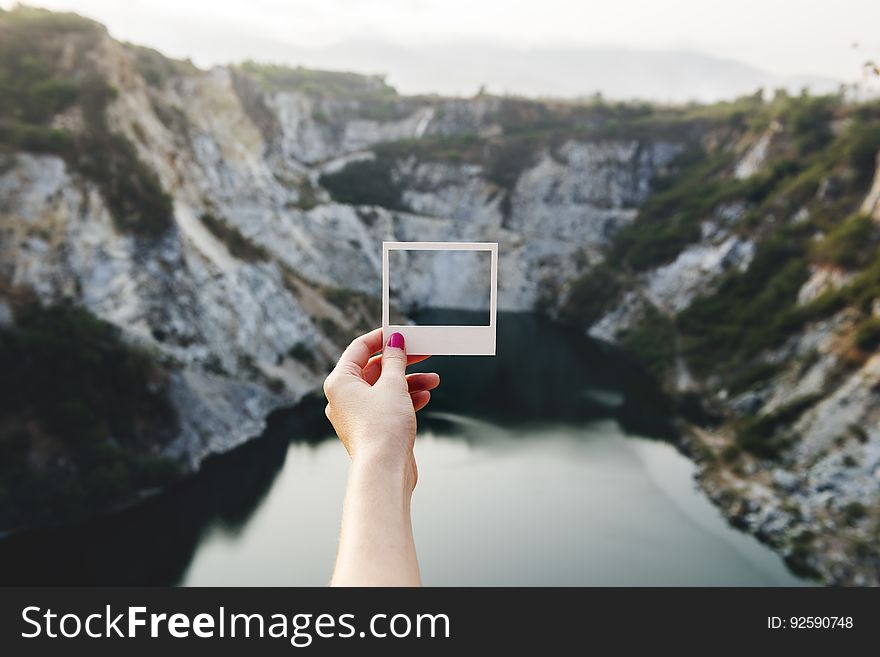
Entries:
{"x":396,"y":341}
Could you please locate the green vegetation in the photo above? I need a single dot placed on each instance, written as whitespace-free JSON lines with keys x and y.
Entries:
{"x":591,"y":295}
{"x":851,"y":244}
{"x":867,"y":337}
{"x":36,"y":84}
{"x":859,"y":433}
{"x":652,"y":342}
{"x":236,"y":243}
{"x":83,"y":417}
{"x":304,"y":354}
{"x":670,"y":219}
{"x":745,"y":378}
{"x":353,"y":302}
{"x":365,"y":182}
{"x":156,"y":68}
{"x":861,"y":293}
{"x":131,"y":189}
{"x":802,"y":548}
{"x":750,"y":310}
{"x":767,"y":435}
{"x":276,"y":77}
{"x":32,"y":89}
{"x":821,"y":160}
{"x":362,"y":96}
{"x":854,"y":511}
{"x":457,"y":149}
{"x":809,"y":120}
{"x":531,"y":127}
{"x":508,"y":159}
{"x":860,"y":151}
{"x":731,"y":453}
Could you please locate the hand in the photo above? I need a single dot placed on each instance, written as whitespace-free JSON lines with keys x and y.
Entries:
{"x":373,"y":402}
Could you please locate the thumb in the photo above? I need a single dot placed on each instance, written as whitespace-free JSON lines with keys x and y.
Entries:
{"x":394,"y":359}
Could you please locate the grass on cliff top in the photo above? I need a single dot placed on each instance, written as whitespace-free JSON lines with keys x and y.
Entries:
{"x":700,"y":181}
{"x":84,"y":416}
{"x":336,"y":84}
{"x":45,"y":70}
{"x":155,"y":68}
{"x":685,"y":195}
{"x":360,"y":96}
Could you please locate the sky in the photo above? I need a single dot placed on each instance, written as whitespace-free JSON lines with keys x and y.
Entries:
{"x":782,"y":37}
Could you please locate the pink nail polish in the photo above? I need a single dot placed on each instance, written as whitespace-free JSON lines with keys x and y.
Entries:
{"x":396,"y":341}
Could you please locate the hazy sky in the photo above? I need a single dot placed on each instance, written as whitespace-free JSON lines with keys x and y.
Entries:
{"x":786,"y":37}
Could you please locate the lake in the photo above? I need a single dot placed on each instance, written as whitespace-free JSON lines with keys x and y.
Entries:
{"x":544,"y":465}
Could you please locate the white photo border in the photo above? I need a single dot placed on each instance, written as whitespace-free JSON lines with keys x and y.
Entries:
{"x":444,"y":340}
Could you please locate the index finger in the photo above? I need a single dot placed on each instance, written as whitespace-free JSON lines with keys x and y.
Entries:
{"x":357,"y":354}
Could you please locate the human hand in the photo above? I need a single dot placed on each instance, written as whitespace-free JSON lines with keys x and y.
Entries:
{"x":372,"y":402}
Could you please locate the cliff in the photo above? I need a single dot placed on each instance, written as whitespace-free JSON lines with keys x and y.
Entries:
{"x":228,"y":223}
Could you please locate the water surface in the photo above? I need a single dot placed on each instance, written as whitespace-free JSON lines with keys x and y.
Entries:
{"x":541,"y":466}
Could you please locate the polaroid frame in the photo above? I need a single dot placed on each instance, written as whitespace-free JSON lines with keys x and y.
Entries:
{"x":444,"y":340}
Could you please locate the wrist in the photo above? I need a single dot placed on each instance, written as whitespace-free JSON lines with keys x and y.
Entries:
{"x":387,"y":464}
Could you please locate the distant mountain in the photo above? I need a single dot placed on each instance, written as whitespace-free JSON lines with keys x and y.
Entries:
{"x":617,"y":73}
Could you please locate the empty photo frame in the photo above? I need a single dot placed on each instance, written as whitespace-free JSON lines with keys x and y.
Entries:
{"x":443,"y":340}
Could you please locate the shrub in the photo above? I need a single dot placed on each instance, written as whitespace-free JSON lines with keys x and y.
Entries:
{"x":365,"y":182}
{"x":590,"y":296}
{"x":731,"y":453}
{"x":652,"y":342}
{"x":33,"y":89}
{"x":83,"y":415}
{"x":156,"y":68}
{"x":867,"y":336}
{"x":510,"y":158}
{"x":809,"y":120}
{"x":861,"y":292}
{"x":670,"y":218}
{"x":237,"y":244}
{"x":303,"y":353}
{"x":133,"y":193}
{"x":852,"y":244}
{"x":274,"y":77}
{"x":863,"y":151}
{"x":748,"y":312}
{"x":854,"y":511}
{"x":860,"y":434}
{"x":746,"y":378}
{"x":764,"y":435}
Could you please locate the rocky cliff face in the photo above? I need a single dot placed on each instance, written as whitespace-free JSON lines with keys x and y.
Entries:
{"x":713,"y":244}
{"x":252,"y":289}
{"x":772,"y":315}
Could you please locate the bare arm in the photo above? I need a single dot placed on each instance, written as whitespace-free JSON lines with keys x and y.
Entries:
{"x":372,"y":405}
{"x":376,"y":545}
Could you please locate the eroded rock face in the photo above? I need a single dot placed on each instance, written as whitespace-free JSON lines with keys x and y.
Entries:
{"x":167,"y":296}
{"x":673,"y":286}
{"x":238,"y":324}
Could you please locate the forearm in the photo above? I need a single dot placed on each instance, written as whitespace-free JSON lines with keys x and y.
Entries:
{"x":376,"y":546}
